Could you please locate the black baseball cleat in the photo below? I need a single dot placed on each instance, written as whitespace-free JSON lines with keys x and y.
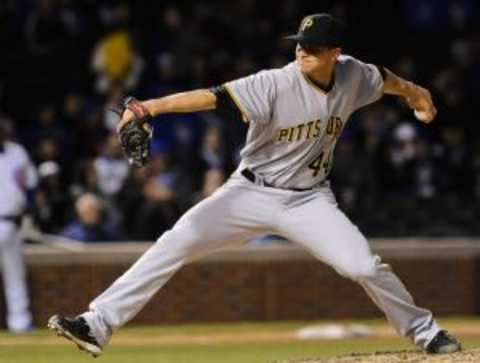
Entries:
{"x":77,"y":331}
{"x":443,"y":343}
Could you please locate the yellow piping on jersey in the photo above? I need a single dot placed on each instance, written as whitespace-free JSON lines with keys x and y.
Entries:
{"x":309,"y":81}
{"x":235,"y":99}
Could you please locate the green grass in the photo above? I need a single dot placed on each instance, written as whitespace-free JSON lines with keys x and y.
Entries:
{"x":43,"y":347}
{"x":232,"y":352}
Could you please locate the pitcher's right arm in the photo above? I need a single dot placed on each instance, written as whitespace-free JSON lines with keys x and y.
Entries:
{"x":183,"y":102}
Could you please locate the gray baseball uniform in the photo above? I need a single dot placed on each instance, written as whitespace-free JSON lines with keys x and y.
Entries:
{"x":280,"y":187}
{"x":295,"y":124}
{"x":17,"y":173}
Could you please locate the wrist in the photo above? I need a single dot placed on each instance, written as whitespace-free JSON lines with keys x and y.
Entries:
{"x":409,"y":89}
{"x":154,"y":106}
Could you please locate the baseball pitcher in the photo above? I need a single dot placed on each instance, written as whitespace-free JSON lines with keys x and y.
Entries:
{"x":295,"y":116}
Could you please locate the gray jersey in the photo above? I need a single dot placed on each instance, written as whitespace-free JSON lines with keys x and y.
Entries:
{"x":294,"y":125}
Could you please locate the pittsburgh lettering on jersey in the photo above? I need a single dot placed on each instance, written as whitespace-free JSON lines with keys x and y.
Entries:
{"x":310,"y":129}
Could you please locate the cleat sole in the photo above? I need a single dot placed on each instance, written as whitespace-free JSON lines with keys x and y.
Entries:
{"x":85,"y":346}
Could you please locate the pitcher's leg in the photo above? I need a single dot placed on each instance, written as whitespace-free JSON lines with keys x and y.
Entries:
{"x":324,"y":230}
{"x":131,"y":292}
{"x":214,"y":223}
{"x":391,"y":296}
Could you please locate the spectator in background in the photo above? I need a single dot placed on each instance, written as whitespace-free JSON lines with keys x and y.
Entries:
{"x":51,"y":201}
{"x":111,"y":168}
{"x":424,"y":170}
{"x":182,"y":47}
{"x":185,"y":156}
{"x":401,"y":158}
{"x":49,"y":139}
{"x":113,"y":101}
{"x":17,"y":176}
{"x":457,"y":177}
{"x":159,"y":209}
{"x":90,"y":134}
{"x":212,"y":180}
{"x":45,"y":27}
{"x":376,"y":128}
{"x":115,"y":59}
{"x":46,"y":125}
{"x":48,"y":149}
{"x":72,"y":117}
{"x":212,"y":152}
{"x":85,"y":180}
{"x":131,"y":197}
{"x":92,"y":224}
{"x":73,"y":109}
{"x":348,"y":173}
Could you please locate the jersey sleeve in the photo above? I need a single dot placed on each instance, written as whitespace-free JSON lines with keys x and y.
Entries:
{"x":254,"y":96}
{"x":370,"y":83}
{"x":225,"y":105}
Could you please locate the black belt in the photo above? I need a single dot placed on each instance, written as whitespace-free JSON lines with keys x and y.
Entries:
{"x":250,"y":175}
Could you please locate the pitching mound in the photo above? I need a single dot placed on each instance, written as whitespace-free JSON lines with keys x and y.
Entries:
{"x":471,"y":355}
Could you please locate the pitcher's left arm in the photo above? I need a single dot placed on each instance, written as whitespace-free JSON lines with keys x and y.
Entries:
{"x":418,"y":98}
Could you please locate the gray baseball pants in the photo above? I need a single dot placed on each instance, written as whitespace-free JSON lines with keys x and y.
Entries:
{"x":237,"y":212}
{"x":13,"y":270}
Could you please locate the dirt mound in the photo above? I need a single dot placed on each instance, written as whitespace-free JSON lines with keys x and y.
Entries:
{"x":471,"y":355}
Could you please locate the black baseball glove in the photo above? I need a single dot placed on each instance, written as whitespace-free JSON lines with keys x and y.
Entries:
{"x":135,"y":136}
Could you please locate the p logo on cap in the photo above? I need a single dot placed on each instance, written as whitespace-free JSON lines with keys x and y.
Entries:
{"x":320,"y":30}
{"x":307,"y":23}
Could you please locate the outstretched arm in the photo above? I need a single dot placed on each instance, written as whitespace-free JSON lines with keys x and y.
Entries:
{"x":418,"y":98}
{"x":190,"y":101}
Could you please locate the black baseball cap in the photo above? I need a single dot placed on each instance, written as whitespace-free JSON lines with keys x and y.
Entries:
{"x":320,"y":30}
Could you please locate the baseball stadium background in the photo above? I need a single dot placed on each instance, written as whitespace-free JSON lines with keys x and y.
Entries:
{"x":413,"y":189}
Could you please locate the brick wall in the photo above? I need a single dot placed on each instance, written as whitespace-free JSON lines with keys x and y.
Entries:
{"x":268,"y":284}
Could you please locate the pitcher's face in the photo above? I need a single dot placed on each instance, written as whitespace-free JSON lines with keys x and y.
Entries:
{"x":311,"y":59}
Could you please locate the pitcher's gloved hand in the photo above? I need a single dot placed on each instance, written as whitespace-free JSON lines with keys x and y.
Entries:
{"x":136,"y":134}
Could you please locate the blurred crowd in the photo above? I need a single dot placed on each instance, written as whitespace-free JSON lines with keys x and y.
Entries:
{"x":66,"y":62}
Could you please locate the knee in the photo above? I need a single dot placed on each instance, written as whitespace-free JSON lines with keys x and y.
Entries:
{"x":360,"y":270}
